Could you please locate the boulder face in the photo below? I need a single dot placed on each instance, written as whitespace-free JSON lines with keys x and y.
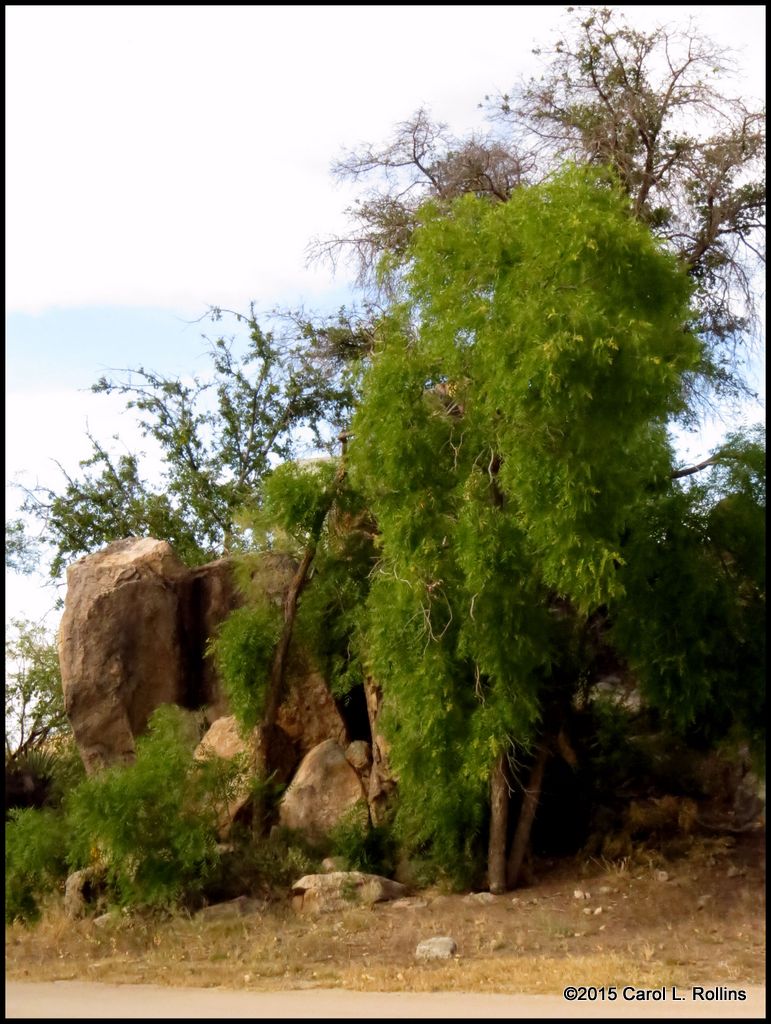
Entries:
{"x":134,"y":634}
{"x":119,"y":645}
{"x":324,"y":790}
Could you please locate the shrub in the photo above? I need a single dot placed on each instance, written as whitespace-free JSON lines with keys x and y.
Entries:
{"x":152,"y":825}
{"x":364,"y":847}
{"x":35,"y":861}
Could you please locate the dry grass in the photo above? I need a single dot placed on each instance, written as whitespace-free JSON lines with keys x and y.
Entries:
{"x":704,"y":924}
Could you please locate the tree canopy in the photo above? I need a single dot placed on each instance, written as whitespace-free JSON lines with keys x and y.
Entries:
{"x":657,"y":108}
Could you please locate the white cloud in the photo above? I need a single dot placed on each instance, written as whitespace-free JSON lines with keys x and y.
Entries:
{"x":162,"y":155}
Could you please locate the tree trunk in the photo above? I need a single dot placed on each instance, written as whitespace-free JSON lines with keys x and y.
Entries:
{"x":499,"y":820}
{"x":264,"y":730}
{"x":532,"y":795}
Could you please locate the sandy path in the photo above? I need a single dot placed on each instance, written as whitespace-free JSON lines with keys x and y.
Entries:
{"x":63,"y":999}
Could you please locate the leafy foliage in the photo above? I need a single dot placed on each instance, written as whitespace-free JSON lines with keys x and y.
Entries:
{"x":692,"y":621}
{"x":688,"y":154}
{"x":34,"y":702}
{"x":513,"y":416}
{"x":218,"y":436}
{"x":22,"y":553}
{"x":35,"y":861}
{"x":363,"y":846}
{"x":152,"y":825}
{"x":243,"y":652}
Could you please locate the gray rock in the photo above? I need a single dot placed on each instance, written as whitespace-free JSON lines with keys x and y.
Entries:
{"x":340,"y":890}
{"x":440,"y":947}
{"x":239,"y":907}
{"x":76,"y":888}
{"x":330,"y":864}
{"x":479,"y":897}
{"x":410,"y":903}
{"x":359,"y":756}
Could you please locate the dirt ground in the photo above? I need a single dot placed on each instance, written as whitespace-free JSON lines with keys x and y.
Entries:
{"x":696,"y":920}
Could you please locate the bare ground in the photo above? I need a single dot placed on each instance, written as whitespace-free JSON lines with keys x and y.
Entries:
{"x":702,"y":924}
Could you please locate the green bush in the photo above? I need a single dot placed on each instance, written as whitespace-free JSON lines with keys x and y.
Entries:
{"x":152,"y":825}
{"x":35,"y":861}
{"x":267,"y":868}
{"x":364,"y":847}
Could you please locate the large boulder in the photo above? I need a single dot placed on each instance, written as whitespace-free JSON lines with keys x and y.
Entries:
{"x":119,"y":645}
{"x":134,"y":635}
{"x":325,"y":790}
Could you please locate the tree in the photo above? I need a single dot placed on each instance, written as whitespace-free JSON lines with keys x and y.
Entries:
{"x":652,"y":105}
{"x":34,"y":703}
{"x":218,"y":436}
{"x":513,"y":422}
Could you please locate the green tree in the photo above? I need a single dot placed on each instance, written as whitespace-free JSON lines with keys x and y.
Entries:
{"x":34,"y":702}
{"x":217,"y":437}
{"x":657,"y":107}
{"x":514,"y":420}
{"x":22,"y":553}
{"x":691,"y":622}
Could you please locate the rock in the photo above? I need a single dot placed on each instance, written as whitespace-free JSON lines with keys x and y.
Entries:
{"x":324,"y":790}
{"x":661,"y":876}
{"x":597,"y":910}
{"x":224,"y":739}
{"x":359,"y":756}
{"x":333,"y":864}
{"x":339,"y":890}
{"x":239,"y":907}
{"x":134,"y":634}
{"x":119,"y":645}
{"x":479,"y":897}
{"x":78,"y":892}
{"x":579,"y":894}
{"x":308,"y":714}
{"x":441,"y":947}
{"x":410,"y":903}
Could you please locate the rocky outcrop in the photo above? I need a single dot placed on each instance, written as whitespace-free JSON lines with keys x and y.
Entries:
{"x":325,"y":789}
{"x":134,"y":634}
{"x":119,"y":645}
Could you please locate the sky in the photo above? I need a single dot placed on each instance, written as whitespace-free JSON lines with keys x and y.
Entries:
{"x":164,"y":159}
